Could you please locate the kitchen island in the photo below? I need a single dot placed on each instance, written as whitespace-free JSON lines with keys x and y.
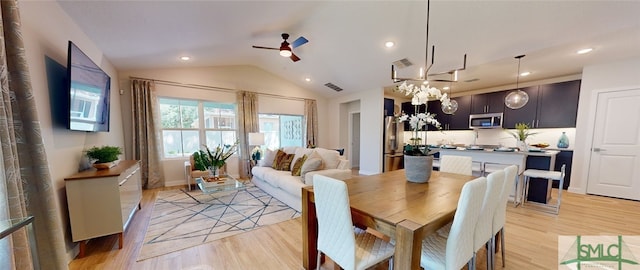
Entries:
{"x":491,"y":159}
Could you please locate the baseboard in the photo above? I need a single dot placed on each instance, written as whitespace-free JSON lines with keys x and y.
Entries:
{"x":173,"y":183}
{"x":361,"y":172}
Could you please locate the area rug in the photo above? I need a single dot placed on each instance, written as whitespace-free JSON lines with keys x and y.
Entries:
{"x":181,"y":219}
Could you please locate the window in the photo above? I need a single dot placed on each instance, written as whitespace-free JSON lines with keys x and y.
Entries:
{"x":281,"y":130}
{"x":189,"y":124}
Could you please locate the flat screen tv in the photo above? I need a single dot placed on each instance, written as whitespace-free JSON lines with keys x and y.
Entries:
{"x":89,"y":91}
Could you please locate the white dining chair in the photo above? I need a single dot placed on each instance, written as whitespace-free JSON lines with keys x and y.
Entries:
{"x":349,"y":248}
{"x":500,"y":216}
{"x":451,"y":247}
{"x":484,"y":227}
{"x":456,"y":164}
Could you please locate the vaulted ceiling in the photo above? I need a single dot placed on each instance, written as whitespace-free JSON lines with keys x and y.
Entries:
{"x":346,"y":38}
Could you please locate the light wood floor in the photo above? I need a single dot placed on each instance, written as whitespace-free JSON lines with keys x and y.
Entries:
{"x":531,"y":239}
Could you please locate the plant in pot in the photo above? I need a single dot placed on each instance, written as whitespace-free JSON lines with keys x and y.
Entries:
{"x":418,"y":157}
{"x":521,"y":134}
{"x":104,"y":156}
{"x":213,"y":160}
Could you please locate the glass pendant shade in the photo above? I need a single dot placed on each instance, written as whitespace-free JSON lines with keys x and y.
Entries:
{"x":451,"y":108}
{"x":516,"y":99}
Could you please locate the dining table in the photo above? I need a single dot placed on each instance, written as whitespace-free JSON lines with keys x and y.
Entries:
{"x":403,"y":211}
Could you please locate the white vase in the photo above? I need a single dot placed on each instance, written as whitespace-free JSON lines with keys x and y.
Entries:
{"x":418,"y":169}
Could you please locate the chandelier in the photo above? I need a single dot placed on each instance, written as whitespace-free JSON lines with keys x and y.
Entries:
{"x":424,"y":72}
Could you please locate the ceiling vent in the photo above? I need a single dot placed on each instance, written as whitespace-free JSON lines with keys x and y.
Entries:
{"x":402,"y":63}
{"x":333,"y":86}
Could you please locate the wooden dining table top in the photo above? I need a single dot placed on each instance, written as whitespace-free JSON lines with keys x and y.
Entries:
{"x":391,"y":198}
{"x":399,"y":209}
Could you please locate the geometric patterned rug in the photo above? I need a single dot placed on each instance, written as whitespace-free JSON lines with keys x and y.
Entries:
{"x":181,"y":219}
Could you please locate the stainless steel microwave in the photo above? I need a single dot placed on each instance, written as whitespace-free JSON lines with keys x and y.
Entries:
{"x":489,"y":120}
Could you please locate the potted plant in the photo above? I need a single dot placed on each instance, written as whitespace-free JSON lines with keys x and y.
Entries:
{"x":418,"y":159}
{"x":521,"y":134}
{"x":213,"y":160}
{"x":104,"y":156}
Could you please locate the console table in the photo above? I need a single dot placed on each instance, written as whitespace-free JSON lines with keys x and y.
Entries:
{"x":102,"y":202}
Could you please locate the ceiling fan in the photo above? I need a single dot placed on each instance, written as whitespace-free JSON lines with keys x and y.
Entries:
{"x":285,"y":48}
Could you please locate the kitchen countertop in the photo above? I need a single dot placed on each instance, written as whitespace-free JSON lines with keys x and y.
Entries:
{"x":544,"y":153}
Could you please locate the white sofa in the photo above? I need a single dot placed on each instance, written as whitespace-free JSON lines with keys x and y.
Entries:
{"x":287,"y":188}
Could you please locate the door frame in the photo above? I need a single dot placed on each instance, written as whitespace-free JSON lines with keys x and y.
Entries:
{"x":351,"y":153}
{"x":591,"y":127}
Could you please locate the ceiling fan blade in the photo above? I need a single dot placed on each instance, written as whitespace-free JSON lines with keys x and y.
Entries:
{"x":299,"y":42}
{"x":294,"y":58}
{"x":268,"y":48}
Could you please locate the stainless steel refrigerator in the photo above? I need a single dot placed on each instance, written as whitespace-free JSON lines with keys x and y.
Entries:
{"x":392,"y":144}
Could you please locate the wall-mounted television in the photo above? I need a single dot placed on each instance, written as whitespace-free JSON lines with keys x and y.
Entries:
{"x":89,"y":93}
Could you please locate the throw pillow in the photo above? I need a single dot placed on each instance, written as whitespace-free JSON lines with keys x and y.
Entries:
{"x":267,"y":160}
{"x":330,"y":158}
{"x":311,"y":164}
{"x":276,"y":161}
{"x":297,"y":166}
{"x":285,"y":163}
{"x":299,"y":153}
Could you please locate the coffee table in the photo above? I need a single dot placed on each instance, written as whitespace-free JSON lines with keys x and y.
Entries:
{"x":225,"y":183}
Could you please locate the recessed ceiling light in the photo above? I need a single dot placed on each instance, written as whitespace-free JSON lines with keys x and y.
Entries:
{"x":389,"y":44}
{"x":307,"y":79}
{"x":185,"y":58}
{"x":526,"y":73}
{"x":445,"y":88}
{"x":585,"y":50}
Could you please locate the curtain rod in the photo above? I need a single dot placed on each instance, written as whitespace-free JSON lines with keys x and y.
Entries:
{"x":206,"y":87}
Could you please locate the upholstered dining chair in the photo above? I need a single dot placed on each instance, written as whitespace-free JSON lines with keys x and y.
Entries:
{"x":500,"y":216}
{"x":456,"y":164}
{"x":451,"y":247}
{"x":349,"y":248}
{"x":484,"y":227}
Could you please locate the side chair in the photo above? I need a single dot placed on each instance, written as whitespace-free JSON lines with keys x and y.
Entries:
{"x":349,"y":247}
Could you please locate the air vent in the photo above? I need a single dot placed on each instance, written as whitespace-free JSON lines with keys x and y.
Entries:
{"x":472,"y":80}
{"x":402,"y":63}
{"x":333,"y":86}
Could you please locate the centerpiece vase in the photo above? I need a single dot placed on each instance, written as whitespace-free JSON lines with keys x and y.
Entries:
{"x":214,"y":171}
{"x":418,"y":168}
{"x":522,"y":145}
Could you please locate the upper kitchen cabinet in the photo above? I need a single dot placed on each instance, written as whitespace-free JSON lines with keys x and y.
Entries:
{"x":558,"y":105}
{"x":435,"y":107}
{"x":550,"y":106}
{"x":409,"y":109}
{"x":460,"y":119}
{"x":488,"y":103}
{"x":526,"y":114}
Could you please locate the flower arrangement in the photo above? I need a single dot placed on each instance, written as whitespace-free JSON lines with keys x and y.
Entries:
{"x":421,"y":95}
{"x":256,"y":153}
{"x":212,"y":160}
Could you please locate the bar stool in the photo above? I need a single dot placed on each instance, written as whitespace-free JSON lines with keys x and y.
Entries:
{"x":549,"y":175}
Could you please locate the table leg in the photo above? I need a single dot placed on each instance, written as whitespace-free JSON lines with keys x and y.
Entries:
{"x":408,"y":245}
{"x":309,"y":231}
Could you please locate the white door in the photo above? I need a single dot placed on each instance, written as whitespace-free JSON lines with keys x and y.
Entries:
{"x":615,"y":151}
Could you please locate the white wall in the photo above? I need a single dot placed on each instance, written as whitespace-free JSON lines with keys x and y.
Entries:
{"x":371,"y":124}
{"x":46,"y":31}
{"x":596,"y":79}
{"x":248,"y":78}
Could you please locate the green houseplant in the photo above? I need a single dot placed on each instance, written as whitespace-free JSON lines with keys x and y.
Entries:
{"x":104,"y":155}
{"x":212,"y":160}
{"x":521,"y":134}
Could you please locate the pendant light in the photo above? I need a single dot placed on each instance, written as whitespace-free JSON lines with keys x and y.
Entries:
{"x":453,"y":105}
{"x":517,"y":99}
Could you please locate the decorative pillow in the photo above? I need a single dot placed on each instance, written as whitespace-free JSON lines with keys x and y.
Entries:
{"x":297,"y":166}
{"x":330,"y":158}
{"x":285,"y":163}
{"x":299,"y":153}
{"x":267,"y":160}
{"x":276,"y":161}
{"x":311,"y":164}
